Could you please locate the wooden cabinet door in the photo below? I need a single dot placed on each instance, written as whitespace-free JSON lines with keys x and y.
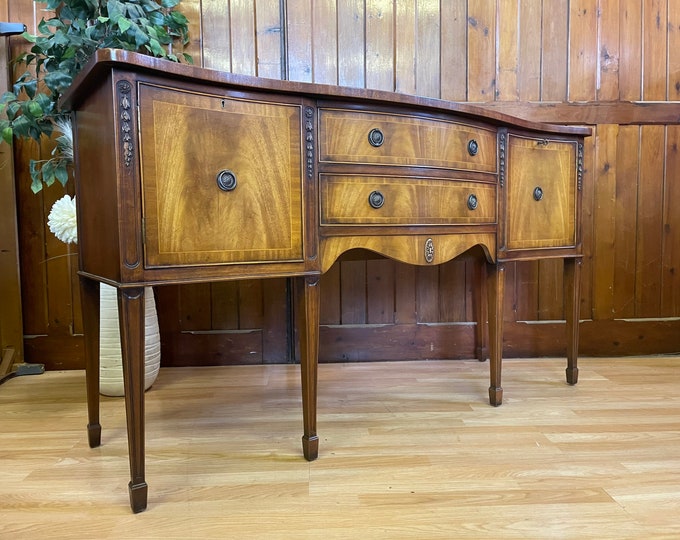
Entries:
{"x":221,"y":178}
{"x":541,"y":193}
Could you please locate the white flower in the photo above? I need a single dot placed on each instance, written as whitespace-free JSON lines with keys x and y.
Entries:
{"x":62,"y":220}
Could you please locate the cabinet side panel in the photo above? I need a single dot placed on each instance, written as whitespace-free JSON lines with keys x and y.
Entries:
{"x":96,"y":190}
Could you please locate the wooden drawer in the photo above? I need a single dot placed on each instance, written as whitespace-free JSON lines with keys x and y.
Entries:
{"x":541,"y":193}
{"x":379,"y":200}
{"x":404,"y":140}
{"x":192,"y":142}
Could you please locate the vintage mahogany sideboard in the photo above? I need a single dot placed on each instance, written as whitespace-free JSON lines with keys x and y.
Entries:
{"x":188,"y":175}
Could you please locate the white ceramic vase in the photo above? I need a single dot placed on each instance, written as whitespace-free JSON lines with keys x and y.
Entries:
{"x":110,"y":361}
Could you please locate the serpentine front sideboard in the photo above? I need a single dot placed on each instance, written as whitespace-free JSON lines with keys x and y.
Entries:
{"x":188,"y":175}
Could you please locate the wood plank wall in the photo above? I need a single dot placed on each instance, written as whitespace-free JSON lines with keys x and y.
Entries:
{"x":611,"y":64}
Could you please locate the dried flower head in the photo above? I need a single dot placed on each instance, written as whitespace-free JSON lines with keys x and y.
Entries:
{"x":62,"y":220}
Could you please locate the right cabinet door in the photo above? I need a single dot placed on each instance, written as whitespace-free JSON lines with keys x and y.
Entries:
{"x":541,"y":193}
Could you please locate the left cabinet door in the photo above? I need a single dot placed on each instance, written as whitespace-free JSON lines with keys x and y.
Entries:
{"x":221,"y":178}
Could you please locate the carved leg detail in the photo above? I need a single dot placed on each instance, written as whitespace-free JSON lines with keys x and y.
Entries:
{"x":495,"y":294}
{"x":307,"y":306}
{"x":131,"y":315}
{"x":89,"y":300}
{"x":572,"y":295}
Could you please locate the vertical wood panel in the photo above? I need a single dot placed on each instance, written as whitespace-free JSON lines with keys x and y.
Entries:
{"x":299,"y":44}
{"x":405,"y":24}
{"x":507,"y":79}
{"x":670,"y":298}
{"x":587,"y":220}
{"x":428,"y":53}
{"x":605,"y":222}
{"x":608,"y":50}
{"x":453,"y":293}
{"x":555,"y":50}
{"x":405,"y":297}
{"x":453,"y":50}
{"x":583,"y":54}
{"x":330,"y":292}
{"x":351,"y":43}
{"x":670,"y":278}
{"x":630,"y":43}
{"x":380,"y":44}
{"x":628,"y":163}
{"x":353,"y":292}
{"x":481,"y":50}
{"x":269,"y":29}
{"x":216,"y":38}
{"x":673,"y":37}
{"x":195,"y":307}
{"x":649,"y":222}
{"x":325,"y":41}
{"x":224,"y":304}
{"x":654,"y":50}
{"x":427,"y":294}
{"x":530,"y":38}
{"x":380,"y":291}
{"x":243,"y":47}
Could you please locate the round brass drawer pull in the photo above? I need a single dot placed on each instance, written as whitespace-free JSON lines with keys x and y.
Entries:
{"x":376,"y":137}
{"x":226,"y":180}
{"x":376,"y":199}
{"x":472,"y":202}
{"x":538,"y":193}
{"x":472,"y":147}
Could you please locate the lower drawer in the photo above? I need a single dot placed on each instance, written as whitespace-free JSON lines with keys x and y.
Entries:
{"x":382,"y":200}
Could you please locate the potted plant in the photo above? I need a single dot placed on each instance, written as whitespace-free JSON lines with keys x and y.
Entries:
{"x":65,"y":42}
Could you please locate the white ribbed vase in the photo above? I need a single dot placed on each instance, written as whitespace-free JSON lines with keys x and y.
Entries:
{"x":110,"y":361}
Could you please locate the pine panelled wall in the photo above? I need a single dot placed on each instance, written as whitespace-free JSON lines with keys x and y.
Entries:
{"x":610,"y":64}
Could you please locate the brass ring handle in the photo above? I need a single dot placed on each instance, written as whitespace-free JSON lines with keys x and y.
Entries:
{"x":226,"y":180}
{"x":472,"y":202}
{"x":376,"y":199}
{"x":538,"y":193}
{"x":472,"y":147}
{"x":376,"y":137}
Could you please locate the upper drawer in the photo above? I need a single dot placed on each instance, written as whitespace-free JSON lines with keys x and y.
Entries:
{"x":404,"y":140}
{"x":221,"y":178}
{"x":380,"y":200}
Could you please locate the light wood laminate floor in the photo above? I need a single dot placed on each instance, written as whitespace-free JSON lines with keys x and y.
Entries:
{"x":408,"y":450}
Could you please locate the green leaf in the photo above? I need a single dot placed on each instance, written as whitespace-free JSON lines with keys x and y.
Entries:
{"x":61,"y":173}
{"x":8,"y":134}
{"x":124,"y":24}
{"x":34,"y":109}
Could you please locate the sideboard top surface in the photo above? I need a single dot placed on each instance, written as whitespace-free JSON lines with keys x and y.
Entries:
{"x":107,"y":59}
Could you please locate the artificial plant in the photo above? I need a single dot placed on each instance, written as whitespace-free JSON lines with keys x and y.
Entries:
{"x":66,"y":40}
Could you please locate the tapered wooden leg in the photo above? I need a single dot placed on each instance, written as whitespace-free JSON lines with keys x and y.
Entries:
{"x":495,"y":294}
{"x":307,"y":308}
{"x":572,"y":296}
{"x":89,"y":301}
{"x":131,"y":316}
{"x":481,"y":312}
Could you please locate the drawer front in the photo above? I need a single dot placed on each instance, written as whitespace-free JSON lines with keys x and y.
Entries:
{"x":378,"y":200}
{"x":221,"y":179}
{"x":402,"y":140}
{"x":541,"y":193}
